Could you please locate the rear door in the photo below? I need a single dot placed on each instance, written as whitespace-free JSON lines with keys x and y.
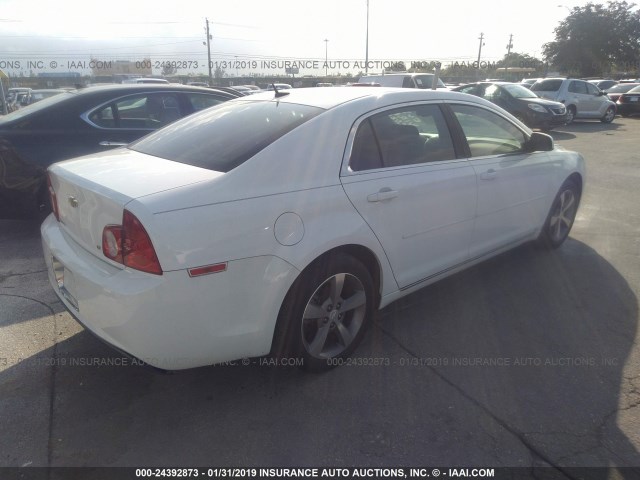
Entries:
{"x":403,"y":175}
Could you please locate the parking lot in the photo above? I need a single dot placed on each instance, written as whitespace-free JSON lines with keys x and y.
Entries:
{"x":529,"y":359}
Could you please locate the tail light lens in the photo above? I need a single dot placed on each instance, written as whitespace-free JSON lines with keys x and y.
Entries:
{"x":130,"y":245}
{"x":53,"y":198}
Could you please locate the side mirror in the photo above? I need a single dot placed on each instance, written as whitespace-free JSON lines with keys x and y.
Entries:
{"x":539,"y":142}
{"x":600,"y":94}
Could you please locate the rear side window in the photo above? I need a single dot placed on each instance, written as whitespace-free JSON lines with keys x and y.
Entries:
{"x":552,"y":85}
{"x":146,"y":111}
{"x":223,"y":137}
{"x":400,"y":137}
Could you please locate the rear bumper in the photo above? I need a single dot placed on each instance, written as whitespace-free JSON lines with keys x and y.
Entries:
{"x":628,"y":108}
{"x":169,"y":321}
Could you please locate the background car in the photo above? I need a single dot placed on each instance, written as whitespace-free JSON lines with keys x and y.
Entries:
{"x":614,"y":92}
{"x":629,"y":103}
{"x":604,"y":84}
{"x":404,"y":80}
{"x":41,"y":94}
{"x":522,"y":103}
{"x":582,"y":99}
{"x":279,"y":223}
{"x":80,"y":122}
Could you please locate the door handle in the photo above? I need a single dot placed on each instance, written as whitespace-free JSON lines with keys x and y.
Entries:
{"x":384,"y":194}
{"x":489,"y":174}
{"x":107,"y":143}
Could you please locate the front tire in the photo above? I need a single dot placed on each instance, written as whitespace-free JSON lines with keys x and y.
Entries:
{"x":609,"y":115}
{"x":561,"y":216}
{"x":327,"y":311}
{"x":571,"y":114}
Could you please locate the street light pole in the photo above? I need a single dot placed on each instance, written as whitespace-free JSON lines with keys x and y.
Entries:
{"x":366,"y":58}
{"x":326,"y":56}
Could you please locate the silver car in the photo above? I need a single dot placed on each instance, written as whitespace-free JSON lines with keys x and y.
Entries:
{"x":582,"y":99}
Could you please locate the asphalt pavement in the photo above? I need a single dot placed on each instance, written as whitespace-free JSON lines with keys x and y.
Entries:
{"x":529,"y":359}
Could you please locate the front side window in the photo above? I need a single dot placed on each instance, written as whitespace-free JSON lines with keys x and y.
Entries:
{"x":487,"y":133}
{"x":400,"y":137}
{"x":592,"y":89}
{"x":578,"y":87}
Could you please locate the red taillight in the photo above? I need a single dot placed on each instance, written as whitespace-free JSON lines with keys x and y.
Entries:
{"x":130,"y":245}
{"x":53,"y":198}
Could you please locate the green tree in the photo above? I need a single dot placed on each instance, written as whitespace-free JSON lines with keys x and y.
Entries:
{"x":596,"y":40}
{"x":168,"y":70}
{"x":519,"y":60}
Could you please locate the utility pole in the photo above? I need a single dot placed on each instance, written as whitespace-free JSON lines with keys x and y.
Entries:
{"x":481,"y":38}
{"x":366,"y":59}
{"x":209,"y":52}
{"x":510,"y":45}
{"x":326,"y":56}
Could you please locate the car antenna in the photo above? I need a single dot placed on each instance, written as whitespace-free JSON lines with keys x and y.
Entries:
{"x":278,"y":92}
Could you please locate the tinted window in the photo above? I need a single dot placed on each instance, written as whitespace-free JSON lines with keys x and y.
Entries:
{"x":551,"y":85}
{"x":405,"y":136}
{"x":36,"y":107}
{"x":488,"y":133}
{"x":225,"y":136}
{"x":146,"y":111}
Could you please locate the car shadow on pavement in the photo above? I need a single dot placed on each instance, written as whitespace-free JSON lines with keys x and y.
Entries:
{"x":519,"y":361}
{"x":541,"y":341}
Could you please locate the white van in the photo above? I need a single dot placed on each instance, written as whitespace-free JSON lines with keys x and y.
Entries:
{"x":404,"y":80}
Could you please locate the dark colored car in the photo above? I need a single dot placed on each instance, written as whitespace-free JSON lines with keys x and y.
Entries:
{"x":80,"y":122}
{"x":629,"y":103}
{"x":519,"y":101}
{"x":614,"y":92}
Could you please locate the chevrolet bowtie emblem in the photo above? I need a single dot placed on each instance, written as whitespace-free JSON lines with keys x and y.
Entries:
{"x":73,"y":201}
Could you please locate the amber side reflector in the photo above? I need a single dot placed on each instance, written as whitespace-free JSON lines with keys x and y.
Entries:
{"x":207,"y":270}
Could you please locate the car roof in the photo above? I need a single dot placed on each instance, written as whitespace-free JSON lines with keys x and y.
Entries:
{"x":141,"y":87}
{"x":331,"y":97}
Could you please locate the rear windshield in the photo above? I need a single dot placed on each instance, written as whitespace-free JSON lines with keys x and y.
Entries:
{"x":225,"y":136}
{"x":552,"y":85}
{"x":622,"y":88}
{"x":35,"y":107}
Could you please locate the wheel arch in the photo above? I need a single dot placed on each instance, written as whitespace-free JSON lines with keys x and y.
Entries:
{"x":280,"y":342}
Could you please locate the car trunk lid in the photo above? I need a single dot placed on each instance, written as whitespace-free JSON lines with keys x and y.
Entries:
{"x":92,"y":192}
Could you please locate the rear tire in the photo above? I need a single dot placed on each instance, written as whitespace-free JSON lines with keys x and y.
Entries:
{"x":327,"y":311}
{"x":561,"y":216}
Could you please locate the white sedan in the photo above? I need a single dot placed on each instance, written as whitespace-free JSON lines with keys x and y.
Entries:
{"x":278,"y":223}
